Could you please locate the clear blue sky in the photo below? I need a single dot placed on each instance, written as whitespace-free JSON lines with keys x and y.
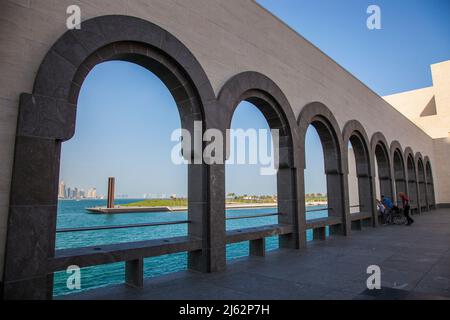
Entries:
{"x":125,"y":119}
{"x":126,"y":115}
{"x":414,"y":34}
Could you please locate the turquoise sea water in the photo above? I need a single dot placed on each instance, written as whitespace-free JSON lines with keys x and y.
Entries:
{"x":72,"y":214}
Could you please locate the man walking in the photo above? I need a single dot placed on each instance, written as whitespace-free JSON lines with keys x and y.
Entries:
{"x":406,"y":208}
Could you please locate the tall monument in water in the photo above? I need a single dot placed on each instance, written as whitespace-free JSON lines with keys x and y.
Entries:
{"x":111,"y":187}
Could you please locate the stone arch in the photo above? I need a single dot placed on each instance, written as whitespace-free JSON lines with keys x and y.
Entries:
{"x":354,"y":133}
{"x":323,"y":120}
{"x":47,"y":117}
{"x":398,"y":168}
{"x":431,"y":200}
{"x":262,"y":92}
{"x":412,"y":182}
{"x":421,"y":181}
{"x":381,"y":157}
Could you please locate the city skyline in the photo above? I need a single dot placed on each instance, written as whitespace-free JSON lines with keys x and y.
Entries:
{"x":66,"y":192}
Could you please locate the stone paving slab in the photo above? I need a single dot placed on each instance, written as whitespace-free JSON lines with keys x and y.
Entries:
{"x":414,"y":262}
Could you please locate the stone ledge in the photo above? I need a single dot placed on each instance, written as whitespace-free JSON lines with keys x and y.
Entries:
{"x":104,"y":254}
{"x":323,"y":222}
{"x":249,"y":234}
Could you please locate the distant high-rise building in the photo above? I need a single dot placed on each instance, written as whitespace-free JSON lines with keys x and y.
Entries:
{"x":92,"y":193}
{"x":62,"y":190}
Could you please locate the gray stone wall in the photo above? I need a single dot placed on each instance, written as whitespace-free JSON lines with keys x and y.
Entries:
{"x":226,"y":37}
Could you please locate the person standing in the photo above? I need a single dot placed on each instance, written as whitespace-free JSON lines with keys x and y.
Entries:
{"x":390,"y":208}
{"x":382,"y":210}
{"x":406,"y":207}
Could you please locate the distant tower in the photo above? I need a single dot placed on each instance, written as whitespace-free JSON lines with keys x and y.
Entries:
{"x":62,"y":190}
{"x":111,"y":186}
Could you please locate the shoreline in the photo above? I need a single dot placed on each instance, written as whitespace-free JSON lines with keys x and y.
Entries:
{"x":118,"y":209}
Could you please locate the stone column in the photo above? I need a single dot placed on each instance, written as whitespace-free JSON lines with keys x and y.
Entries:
{"x":366,"y":198}
{"x":430,"y":190}
{"x":419,"y":208}
{"x":301,"y":209}
{"x":207,"y":215}
{"x":337,"y":186}
{"x":216,"y":218}
{"x":43,"y":123}
{"x":422,"y":195}
{"x":288,"y":208}
{"x":375,"y":220}
{"x":207,"y":201}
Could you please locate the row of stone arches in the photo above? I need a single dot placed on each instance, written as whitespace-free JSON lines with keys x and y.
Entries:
{"x":47,"y":117}
{"x":403,"y":171}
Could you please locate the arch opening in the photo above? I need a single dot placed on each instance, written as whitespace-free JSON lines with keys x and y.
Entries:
{"x":360,"y":189}
{"x":266,"y":96}
{"x":317,"y":116}
{"x":124,"y":114}
{"x":55,"y":94}
{"x":412,"y":184}
{"x":250,"y":175}
{"x":382,"y":169}
{"x":316,"y":198}
{"x":399,"y":174}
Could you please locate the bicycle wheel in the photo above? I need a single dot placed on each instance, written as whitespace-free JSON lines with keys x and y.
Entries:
{"x":399,"y":219}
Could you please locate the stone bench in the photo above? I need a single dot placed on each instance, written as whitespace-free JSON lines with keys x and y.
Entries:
{"x":319,"y":226}
{"x":257,"y":236}
{"x":133,"y":253}
{"x":360,"y":220}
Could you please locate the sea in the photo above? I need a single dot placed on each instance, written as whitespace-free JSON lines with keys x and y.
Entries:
{"x":73,"y":214}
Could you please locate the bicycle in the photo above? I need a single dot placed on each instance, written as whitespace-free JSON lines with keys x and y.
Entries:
{"x":396,"y":216}
{"x":399,"y":218}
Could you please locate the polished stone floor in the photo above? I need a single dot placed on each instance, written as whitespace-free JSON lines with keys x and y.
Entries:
{"x":414,"y":262}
